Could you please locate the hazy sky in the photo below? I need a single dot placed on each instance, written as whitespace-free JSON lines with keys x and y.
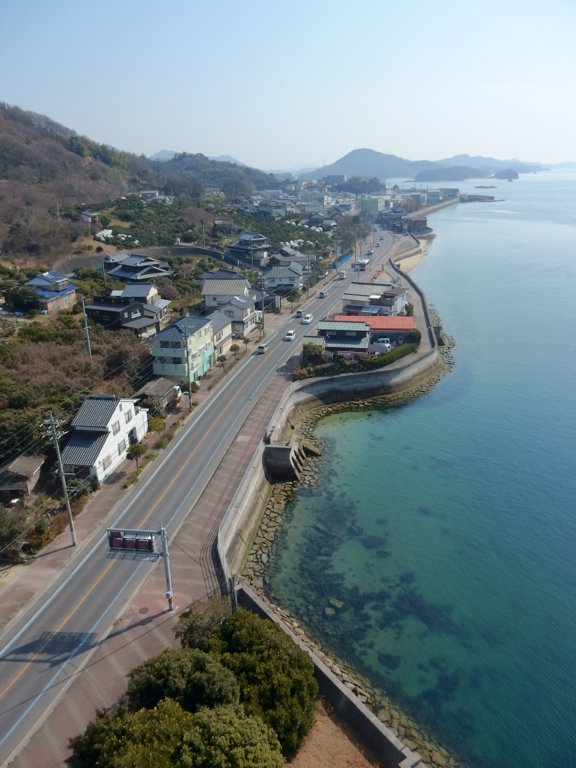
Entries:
{"x":285,"y":85}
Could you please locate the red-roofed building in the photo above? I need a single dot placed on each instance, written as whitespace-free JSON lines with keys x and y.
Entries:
{"x":395,"y":327}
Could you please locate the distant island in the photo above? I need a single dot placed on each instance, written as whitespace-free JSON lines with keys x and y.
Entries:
{"x":368,"y":164}
{"x":463,"y":172}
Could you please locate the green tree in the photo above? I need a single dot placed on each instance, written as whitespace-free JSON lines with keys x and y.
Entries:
{"x":276,"y":677}
{"x":88,"y":749}
{"x":23,"y":298}
{"x":235,"y":349}
{"x":118,"y":738}
{"x":167,"y":735}
{"x":222,"y":360}
{"x":191,"y":677}
{"x":226,"y":737}
{"x":414,"y":336}
{"x":198,"y":626}
{"x":136,"y":451}
{"x":156,"y":424}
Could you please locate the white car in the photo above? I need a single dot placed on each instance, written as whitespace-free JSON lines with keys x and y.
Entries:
{"x":289,"y":335}
{"x":385,"y":343}
{"x":307,"y":319}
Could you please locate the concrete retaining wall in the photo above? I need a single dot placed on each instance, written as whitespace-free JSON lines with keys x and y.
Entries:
{"x":240,"y":523}
{"x":348,"y":387}
{"x":242,"y":519}
{"x":383,"y":743}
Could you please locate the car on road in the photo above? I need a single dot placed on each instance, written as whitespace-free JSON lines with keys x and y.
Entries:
{"x":384,"y":342}
{"x":299,"y":313}
{"x":322,"y":295}
{"x":289,"y":336}
{"x":307,"y":319}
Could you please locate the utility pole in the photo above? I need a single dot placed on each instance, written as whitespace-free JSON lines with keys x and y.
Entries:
{"x":87,"y":332}
{"x":188,"y":371}
{"x":263,"y":299}
{"x":55,"y":436}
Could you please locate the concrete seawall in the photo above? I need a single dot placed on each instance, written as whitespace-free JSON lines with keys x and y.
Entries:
{"x":384,"y":744}
{"x":241,"y":522}
{"x":242,"y":518}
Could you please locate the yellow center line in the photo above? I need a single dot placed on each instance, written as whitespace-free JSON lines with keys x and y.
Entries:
{"x":69,"y":615}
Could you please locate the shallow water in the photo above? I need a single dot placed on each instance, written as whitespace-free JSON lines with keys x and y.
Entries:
{"x":437,"y":553}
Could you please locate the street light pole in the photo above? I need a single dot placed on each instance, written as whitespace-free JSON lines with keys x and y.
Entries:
{"x":167,"y":569}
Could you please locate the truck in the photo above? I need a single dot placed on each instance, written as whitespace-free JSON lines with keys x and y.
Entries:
{"x":342,"y":274}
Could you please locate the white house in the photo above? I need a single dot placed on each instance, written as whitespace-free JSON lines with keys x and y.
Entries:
{"x":102,"y":431}
{"x":284,"y":278}
{"x":383,"y":298}
{"x":242,"y":314}
{"x":217,"y":292}
{"x":222,"y":333}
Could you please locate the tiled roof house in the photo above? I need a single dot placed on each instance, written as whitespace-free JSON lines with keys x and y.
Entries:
{"x":55,"y":291}
{"x":102,"y":431}
{"x":135,"y":267}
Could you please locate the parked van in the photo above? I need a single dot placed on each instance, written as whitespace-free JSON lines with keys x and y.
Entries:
{"x":262,"y":347}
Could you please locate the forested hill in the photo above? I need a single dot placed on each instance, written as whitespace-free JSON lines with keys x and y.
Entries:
{"x":45,"y":167}
{"x":230,"y":178}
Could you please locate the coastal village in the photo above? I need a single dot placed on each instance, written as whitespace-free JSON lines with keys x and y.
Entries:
{"x":319,"y":308}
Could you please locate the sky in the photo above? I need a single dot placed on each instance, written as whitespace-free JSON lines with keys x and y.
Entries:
{"x":299,"y":84}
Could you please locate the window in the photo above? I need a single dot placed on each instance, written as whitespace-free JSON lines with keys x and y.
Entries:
{"x":115,"y":427}
{"x":128,"y":416}
{"x":121,"y":447}
{"x":106,"y":461}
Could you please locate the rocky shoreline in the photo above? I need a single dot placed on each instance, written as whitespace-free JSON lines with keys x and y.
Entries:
{"x":262,"y":553}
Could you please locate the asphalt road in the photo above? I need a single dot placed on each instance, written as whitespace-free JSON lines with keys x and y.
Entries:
{"x":50,"y":643}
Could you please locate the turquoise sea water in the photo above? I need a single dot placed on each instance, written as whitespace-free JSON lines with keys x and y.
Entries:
{"x":438,"y":552}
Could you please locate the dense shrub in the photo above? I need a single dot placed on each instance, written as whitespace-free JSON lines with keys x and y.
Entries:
{"x":354,"y":365}
{"x":167,"y":735}
{"x":191,"y":677}
{"x":276,"y":677}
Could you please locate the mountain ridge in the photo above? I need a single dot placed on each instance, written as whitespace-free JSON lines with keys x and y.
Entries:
{"x":369,"y":163}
